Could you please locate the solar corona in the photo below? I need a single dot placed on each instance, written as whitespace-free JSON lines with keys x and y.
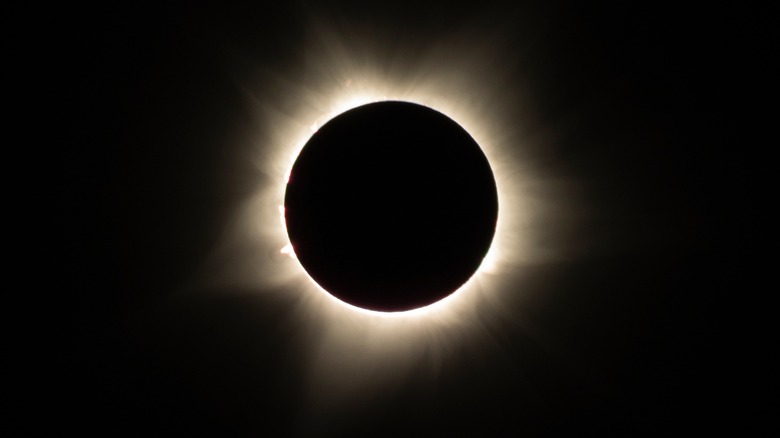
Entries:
{"x":391,"y":208}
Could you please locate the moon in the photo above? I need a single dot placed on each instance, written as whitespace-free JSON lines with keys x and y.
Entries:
{"x":391,"y":206}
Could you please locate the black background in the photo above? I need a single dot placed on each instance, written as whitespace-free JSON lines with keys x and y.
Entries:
{"x":644,"y":337}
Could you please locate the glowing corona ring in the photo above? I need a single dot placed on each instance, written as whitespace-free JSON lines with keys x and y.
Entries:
{"x":392,"y":206}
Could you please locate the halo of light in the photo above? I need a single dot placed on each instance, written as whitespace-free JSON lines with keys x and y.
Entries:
{"x":351,"y":351}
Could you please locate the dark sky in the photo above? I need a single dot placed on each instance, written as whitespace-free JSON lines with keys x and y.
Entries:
{"x":626,"y":331}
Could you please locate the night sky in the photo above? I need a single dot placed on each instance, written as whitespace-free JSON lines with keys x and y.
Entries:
{"x":614,"y":323}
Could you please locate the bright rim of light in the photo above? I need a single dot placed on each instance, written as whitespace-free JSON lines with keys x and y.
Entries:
{"x":487,"y":261}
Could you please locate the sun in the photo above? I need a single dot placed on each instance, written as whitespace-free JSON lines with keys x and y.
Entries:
{"x":350,"y":348}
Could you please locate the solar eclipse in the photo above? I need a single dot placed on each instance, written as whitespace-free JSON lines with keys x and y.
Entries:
{"x":391,"y":206}
{"x":237,"y":267}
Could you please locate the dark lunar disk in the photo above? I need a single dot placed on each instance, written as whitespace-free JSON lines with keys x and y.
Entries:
{"x":391,"y":206}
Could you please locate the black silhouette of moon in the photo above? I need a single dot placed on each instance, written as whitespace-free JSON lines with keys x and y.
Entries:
{"x":391,"y":206}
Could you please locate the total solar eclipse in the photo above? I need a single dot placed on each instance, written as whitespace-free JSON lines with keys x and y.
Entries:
{"x":391,"y":206}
